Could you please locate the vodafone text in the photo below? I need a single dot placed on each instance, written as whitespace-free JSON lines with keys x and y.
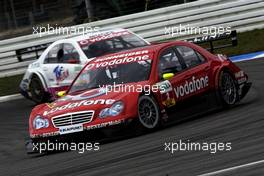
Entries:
{"x":119,"y":61}
{"x":191,"y":86}
{"x":78,"y":104}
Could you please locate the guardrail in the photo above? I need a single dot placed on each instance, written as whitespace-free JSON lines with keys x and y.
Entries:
{"x":241,"y":15}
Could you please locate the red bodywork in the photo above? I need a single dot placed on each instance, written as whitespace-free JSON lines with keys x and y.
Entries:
{"x":208,"y":71}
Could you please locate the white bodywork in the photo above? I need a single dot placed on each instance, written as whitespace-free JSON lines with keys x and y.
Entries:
{"x":56,"y":76}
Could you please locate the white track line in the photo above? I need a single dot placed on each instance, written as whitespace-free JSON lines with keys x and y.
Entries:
{"x":259,"y":56}
{"x":233,"y":168}
{"x":10,"y":97}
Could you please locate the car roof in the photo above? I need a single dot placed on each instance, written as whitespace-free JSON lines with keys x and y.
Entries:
{"x":153,"y":48}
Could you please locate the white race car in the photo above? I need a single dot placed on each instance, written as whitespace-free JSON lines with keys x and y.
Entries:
{"x":59,"y":64}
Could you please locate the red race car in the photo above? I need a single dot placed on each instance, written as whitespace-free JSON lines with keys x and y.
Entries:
{"x":144,"y":85}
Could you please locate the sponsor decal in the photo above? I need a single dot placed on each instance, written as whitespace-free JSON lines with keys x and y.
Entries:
{"x":169,"y":101}
{"x":78,"y":104}
{"x":104,"y":124}
{"x":101,"y":125}
{"x":51,"y":105}
{"x":166,"y":91}
{"x":240,"y":76}
{"x":191,"y":86}
{"x":210,"y":37}
{"x":101,"y":37}
{"x":164,"y":86}
{"x":60,"y":73}
{"x":44,"y":134}
{"x":124,"y":60}
{"x":118,"y":56}
{"x":71,"y":129}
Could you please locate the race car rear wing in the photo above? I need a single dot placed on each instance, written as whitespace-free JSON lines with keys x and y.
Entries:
{"x":228,"y":39}
{"x":29,"y":50}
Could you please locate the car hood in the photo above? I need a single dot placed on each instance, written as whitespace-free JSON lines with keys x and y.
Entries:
{"x":88,"y":100}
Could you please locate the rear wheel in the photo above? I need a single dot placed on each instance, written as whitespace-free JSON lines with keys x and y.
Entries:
{"x":148,"y":112}
{"x":228,"y":89}
{"x":37,"y":91}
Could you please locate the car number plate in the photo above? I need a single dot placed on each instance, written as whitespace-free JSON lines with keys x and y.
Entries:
{"x":71,"y":129}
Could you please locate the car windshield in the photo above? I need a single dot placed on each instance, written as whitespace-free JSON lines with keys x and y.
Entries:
{"x":94,"y":77}
{"x":114,"y":43}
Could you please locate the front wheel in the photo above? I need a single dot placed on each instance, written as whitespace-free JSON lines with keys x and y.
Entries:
{"x":228,"y":89}
{"x":148,"y":112}
{"x":37,"y":91}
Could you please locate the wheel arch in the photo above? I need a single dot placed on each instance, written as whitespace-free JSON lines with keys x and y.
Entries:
{"x":217,"y":73}
{"x":40,"y":77}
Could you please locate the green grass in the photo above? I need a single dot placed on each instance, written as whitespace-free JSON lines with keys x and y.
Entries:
{"x":10,"y":85}
{"x":248,"y":42}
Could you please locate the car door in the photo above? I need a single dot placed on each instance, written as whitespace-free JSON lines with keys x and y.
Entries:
{"x":61,"y":65}
{"x":197,"y":74}
{"x":170,"y":63}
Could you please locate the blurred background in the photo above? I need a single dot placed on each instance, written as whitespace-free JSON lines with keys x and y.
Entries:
{"x":17,"y":17}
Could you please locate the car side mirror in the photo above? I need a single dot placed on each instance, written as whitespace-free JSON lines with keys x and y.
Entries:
{"x":167,"y":76}
{"x":61,"y":93}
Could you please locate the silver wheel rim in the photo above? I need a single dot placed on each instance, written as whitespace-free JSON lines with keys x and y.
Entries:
{"x":148,"y":113}
{"x":228,"y":89}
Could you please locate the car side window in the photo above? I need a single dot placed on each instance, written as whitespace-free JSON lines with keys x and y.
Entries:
{"x":169,"y":62}
{"x":62,"y":53}
{"x":190,"y":56}
{"x":51,"y":57}
{"x":70,"y":54}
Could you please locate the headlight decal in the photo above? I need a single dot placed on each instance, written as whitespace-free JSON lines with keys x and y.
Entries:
{"x":114,"y":110}
{"x":40,"y":122}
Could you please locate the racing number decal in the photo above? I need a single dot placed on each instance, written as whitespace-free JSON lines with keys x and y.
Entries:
{"x":167,"y":95}
{"x":169,"y":100}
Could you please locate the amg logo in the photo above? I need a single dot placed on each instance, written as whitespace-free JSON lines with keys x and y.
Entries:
{"x":191,"y":86}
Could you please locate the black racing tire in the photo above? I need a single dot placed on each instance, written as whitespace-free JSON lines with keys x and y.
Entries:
{"x":37,"y":91}
{"x":148,"y":113}
{"x":228,"y":89}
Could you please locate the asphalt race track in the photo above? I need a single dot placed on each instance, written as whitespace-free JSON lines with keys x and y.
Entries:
{"x":242,"y":125}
